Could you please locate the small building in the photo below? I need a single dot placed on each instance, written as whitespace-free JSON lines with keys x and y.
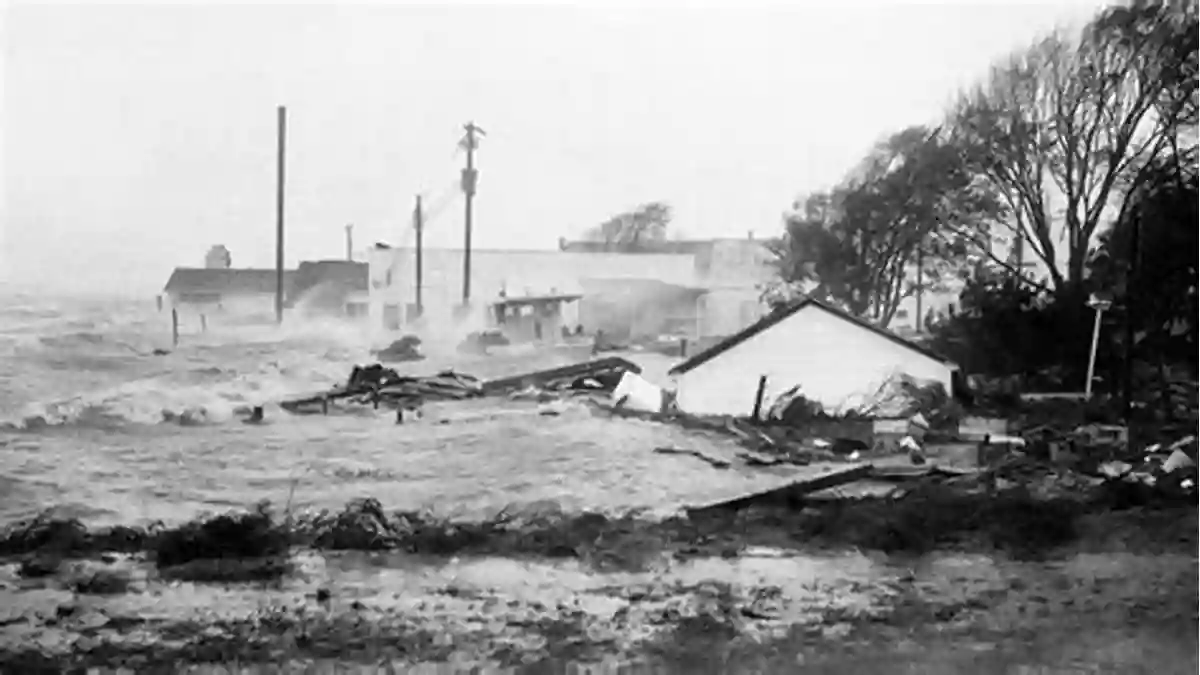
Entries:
{"x":216,"y":290}
{"x":834,"y":358}
{"x":537,"y":318}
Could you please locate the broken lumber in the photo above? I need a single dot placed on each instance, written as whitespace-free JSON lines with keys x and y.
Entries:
{"x":791,"y":491}
{"x":714,"y":461}
{"x":612,"y":365}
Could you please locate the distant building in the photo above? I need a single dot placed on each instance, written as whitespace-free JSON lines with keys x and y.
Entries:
{"x":214,"y":290}
{"x":531,"y":319}
{"x":731,"y":272}
{"x":697,"y":288}
{"x":499,"y":275}
{"x":331,"y":288}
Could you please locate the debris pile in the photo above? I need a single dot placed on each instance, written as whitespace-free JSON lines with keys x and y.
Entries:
{"x":377,"y":384}
{"x":903,"y":396}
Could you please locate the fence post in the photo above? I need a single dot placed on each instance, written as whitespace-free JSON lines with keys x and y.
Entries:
{"x":203,"y":324}
{"x":758,"y":398}
{"x":174,"y":327}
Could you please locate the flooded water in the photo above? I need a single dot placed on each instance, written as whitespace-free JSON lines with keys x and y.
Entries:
{"x":109,"y":433}
{"x":95,"y":425}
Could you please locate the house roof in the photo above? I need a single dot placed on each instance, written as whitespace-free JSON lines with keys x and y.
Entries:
{"x":224,"y":280}
{"x":535,"y":299}
{"x":777,"y":317}
{"x":346,"y":274}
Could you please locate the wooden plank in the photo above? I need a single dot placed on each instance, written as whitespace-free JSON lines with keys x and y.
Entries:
{"x":831,"y":476}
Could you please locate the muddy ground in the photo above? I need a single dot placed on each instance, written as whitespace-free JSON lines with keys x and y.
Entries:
{"x":933,"y":583}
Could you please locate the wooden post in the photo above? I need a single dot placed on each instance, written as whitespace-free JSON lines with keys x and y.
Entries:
{"x":174,"y":327}
{"x":683,"y":348}
{"x":325,"y":405}
{"x":758,"y":398}
{"x":203,"y":324}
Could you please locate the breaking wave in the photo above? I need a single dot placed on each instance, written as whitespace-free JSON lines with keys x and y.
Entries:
{"x":202,"y":395}
{"x":112,"y":364}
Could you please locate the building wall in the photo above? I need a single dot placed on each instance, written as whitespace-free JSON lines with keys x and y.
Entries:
{"x":735,"y":271}
{"x":833,"y":361}
{"x":518,"y":273}
{"x":246,"y":305}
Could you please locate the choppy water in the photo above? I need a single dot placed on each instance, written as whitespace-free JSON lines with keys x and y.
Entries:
{"x":95,"y":424}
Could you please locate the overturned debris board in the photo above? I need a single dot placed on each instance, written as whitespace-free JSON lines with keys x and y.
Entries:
{"x":812,"y":478}
{"x":611,"y":364}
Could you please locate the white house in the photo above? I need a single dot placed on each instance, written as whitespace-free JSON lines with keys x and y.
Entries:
{"x":833,"y":357}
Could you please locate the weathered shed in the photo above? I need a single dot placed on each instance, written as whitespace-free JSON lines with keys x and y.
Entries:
{"x":832,"y":356}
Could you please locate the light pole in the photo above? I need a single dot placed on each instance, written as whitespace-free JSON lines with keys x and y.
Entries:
{"x":1101,"y":305}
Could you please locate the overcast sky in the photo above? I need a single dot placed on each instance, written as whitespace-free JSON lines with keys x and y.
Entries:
{"x":136,"y":137}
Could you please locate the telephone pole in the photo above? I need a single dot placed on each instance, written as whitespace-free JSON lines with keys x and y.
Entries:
{"x":469,"y":143}
{"x":281,"y":147}
{"x":419,"y":226}
{"x":350,"y":242}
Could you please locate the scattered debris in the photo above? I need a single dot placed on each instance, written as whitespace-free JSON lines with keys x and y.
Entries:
{"x":634,"y":393}
{"x":376,"y":384}
{"x":599,"y":375}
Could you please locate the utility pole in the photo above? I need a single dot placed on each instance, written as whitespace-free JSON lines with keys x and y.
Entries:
{"x":419,"y":226}
{"x":350,"y":242}
{"x":281,"y":148}
{"x":469,"y":143}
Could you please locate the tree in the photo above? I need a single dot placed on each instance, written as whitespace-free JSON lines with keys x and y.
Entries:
{"x":1149,"y":261}
{"x":642,"y":229}
{"x":1065,"y":125}
{"x":907,"y":212}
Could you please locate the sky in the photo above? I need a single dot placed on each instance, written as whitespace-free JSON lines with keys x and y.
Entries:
{"x":136,"y":137}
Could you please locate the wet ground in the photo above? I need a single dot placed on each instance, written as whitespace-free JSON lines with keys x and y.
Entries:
{"x":764,"y":611}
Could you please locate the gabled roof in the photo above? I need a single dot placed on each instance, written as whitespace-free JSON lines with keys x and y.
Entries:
{"x":224,"y":280}
{"x":777,"y":317}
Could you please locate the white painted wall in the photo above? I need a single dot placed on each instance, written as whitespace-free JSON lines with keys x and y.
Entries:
{"x":244,"y":304}
{"x":835,"y":361}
